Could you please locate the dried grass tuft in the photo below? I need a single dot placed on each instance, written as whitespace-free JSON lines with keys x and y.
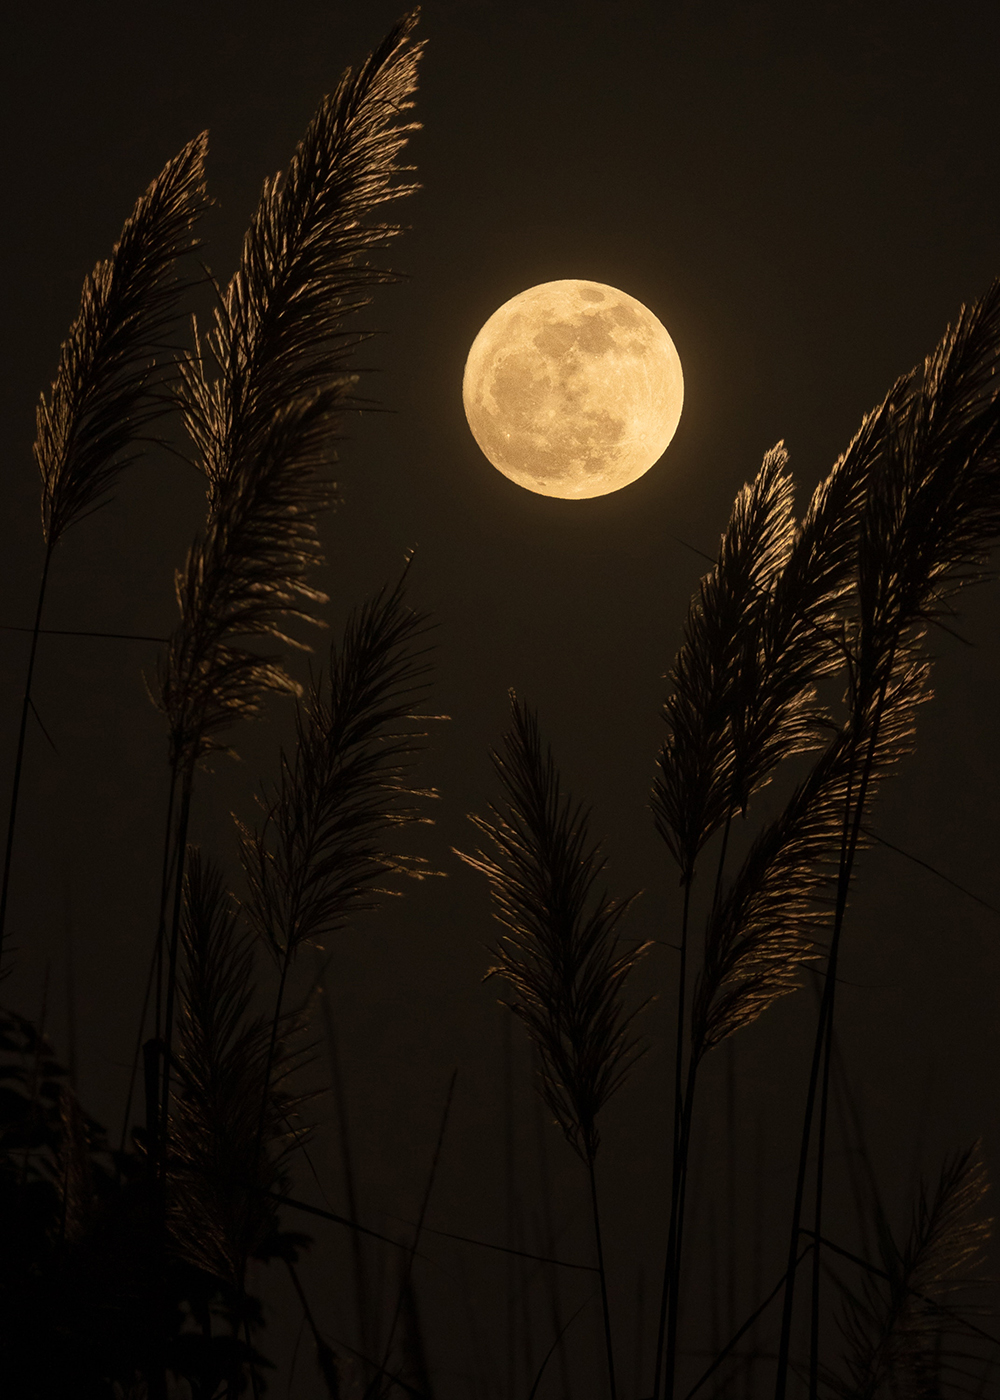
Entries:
{"x":75,"y":1174}
{"x":904,"y":1330}
{"x":767,"y":923}
{"x":222,"y":1167}
{"x":561,"y":953}
{"x":264,"y":391}
{"x":320,"y":852}
{"x":109,"y":384}
{"x":702,"y":765}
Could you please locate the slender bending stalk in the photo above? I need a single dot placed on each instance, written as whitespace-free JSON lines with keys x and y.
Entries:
{"x":347,"y":1161}
{"x":271,"y":1045}
{"x":683,"y":1113}
{"x":675,"y":1244}
{"x":166,"y":870}
{"x":19,"y":758}
{"x":613,"y":1389}
{"x":853,"y":813}
{"x":108,"y":384}
{"x":800,"y":1184}
{"x":824,"y":1035}
{"x":168,"y":1018}
{"x":220,"y":1206}
{"x":155,"y":972}
{"x":164,"y":1044}
{"x":814,"y":1324}
{"x":676,"y":1140}
{"x":560,"y":952}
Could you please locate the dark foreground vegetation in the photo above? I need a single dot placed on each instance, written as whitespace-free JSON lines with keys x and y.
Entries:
{"x":124,"y":1262}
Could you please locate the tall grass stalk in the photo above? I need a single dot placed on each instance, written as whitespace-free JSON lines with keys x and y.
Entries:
{"x":219,"y":1202}
{"x":931,"y":512}
{"x":706,"y":767}
{"x":109,"y":387}
{"x":321,"y":849}
{"x":362,"y":1291}
{"x":902,"y":1327}
{"x":766,"y":626}
{"x":406,"y":1281}
{"x":560,"y":953}
{"x":263,"y":397}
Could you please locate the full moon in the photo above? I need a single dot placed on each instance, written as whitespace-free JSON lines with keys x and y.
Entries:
{"x":573,"y":389}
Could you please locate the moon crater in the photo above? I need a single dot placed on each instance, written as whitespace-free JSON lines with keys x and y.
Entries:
{"x":573,"y":389}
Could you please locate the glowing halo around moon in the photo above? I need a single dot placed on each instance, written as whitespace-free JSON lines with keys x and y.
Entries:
{"x":573,"y":389}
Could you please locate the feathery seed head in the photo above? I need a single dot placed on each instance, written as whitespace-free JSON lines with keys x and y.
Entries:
{"x":109,"y":384}
{"x":560,"y":954}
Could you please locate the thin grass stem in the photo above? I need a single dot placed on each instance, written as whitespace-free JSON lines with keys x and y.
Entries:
{"x":731,"y":1257}
{"x":676,"y":1135}
{"x":612,"y":1386}
{"x":411,"y":1252}
{"x":675,"y":1245}
{"x":560,"y":1338}
{"x":169,"y":855}
{"x":754,"y":1317}
{"x":155,"y":967}
{"x":168,"y":1019}
{"x":853,"y":813}
{"x":19,"y":756}
{"x":683,"y":1109}
{"x":361,"y":1296}
{"x":250,"y":1359}
{"x":814,"y":1322}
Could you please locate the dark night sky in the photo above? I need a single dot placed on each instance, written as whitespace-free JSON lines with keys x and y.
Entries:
{"x":804,"y":195}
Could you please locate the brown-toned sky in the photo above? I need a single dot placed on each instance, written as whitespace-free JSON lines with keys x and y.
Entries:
{"x":804,"y":195}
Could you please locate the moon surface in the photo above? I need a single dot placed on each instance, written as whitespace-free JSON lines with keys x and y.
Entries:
{"x":573,"y":389}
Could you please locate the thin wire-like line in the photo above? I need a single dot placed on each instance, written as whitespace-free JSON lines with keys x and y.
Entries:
{"x":446,"y":1234}
{"x":41,"y":725}
{"x":908,"y":855}
{"x":73,"y":632}
{"x":881,"y":1273}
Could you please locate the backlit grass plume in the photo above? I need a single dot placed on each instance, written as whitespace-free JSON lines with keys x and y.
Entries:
{"x":262,"y":398}
{"x":778,"y":903}
{"x":262,"y":394}
{"x":108,"y":386}
{"x":931,"y":515}
{"x":281,"y":328}
{"x":323,"y":845}
{"x":561,"y":953}
{"x":933,"y":511}
{"x":718,"y":669}
{"x":766,"y":624}
{"x":906,"y":1329}
{"x":219,"y":1172}
{"x":246,"y":576}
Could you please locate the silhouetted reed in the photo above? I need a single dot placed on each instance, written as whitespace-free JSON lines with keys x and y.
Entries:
{"x":262,"y":398}
{"x":561,"y":954}
{"x":322,"y":849}
{"x":905,"y":1326}
{"x":262,"y":393}
{"x":931,"y":513}
{"x":220,"y":1175}
{"x":111,"y":383}
{"x":905,"y":516}
{"x":760,"y":634}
